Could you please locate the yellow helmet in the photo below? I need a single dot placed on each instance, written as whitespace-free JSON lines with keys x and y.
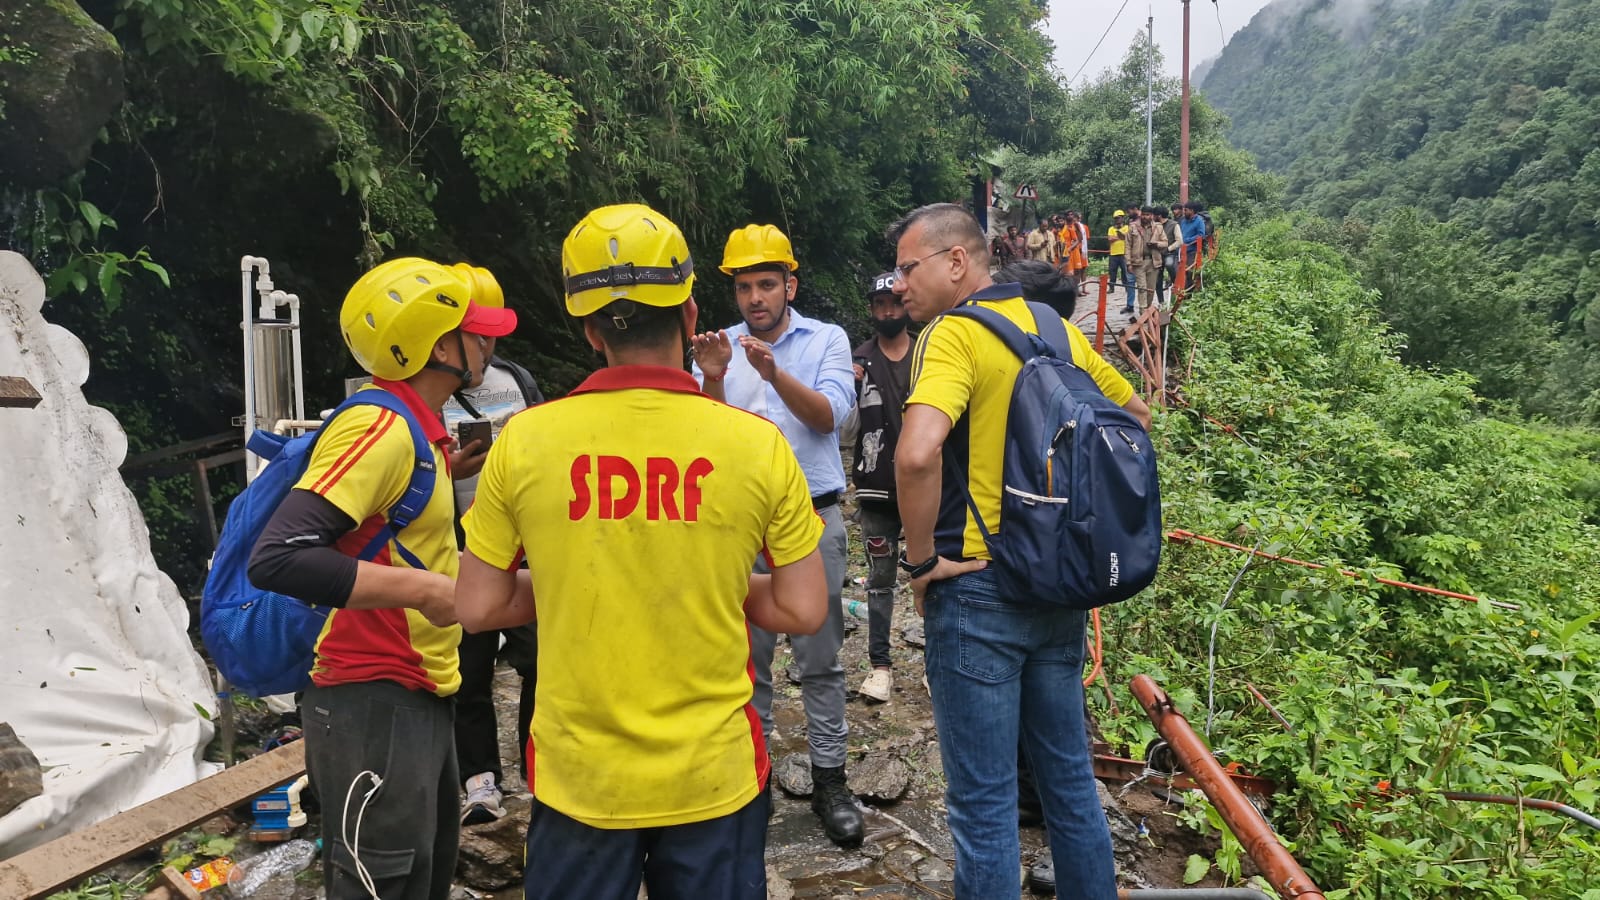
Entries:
{"x":393,"y":315}
{"x":757,"y":245}
{"x":1120,"y":213}
{"x":481,"y":284}
{"x":625,"y":252}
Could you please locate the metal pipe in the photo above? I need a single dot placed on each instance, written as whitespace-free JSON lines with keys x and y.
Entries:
{"x":1150,"y":110}
{"x":1180,"y":535}
{"x":1243,"y":819}
{"x":1183,"y":128}
{"x":249,"y":265}
{"x":1191,"y":894}
{"x":1573,"y":813}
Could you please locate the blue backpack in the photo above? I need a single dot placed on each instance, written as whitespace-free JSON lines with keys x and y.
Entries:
{"x":1080,"y":515}
{"x":263,"y":642}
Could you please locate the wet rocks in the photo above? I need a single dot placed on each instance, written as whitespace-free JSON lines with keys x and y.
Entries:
{"x":62,"y":82}
{"x":879,"y":778}
{"x":491,"y":855}
{"x":794,"y":774}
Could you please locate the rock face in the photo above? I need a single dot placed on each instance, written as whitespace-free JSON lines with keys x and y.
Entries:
{"x":60,"y":81}
{"x":491,"y":854}
{"x":20,"y":776}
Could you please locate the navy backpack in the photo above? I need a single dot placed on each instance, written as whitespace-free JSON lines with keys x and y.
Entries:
{"x":1080,"y":515}
{"x":263,"y":642}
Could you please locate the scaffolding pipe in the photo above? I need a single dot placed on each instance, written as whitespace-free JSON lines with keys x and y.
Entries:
{"x":248,"y":266}
{"x":1191,"y":894}
{"x":1573,"y":813}
{"x":1243,"y":819}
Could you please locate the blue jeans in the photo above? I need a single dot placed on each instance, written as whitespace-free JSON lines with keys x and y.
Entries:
{"x":997,"y":671}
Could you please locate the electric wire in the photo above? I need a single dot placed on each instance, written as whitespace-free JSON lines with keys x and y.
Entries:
{"x":1097,"y":44}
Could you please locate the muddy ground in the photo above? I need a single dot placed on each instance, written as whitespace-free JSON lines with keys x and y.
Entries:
{"x":908,"y":851}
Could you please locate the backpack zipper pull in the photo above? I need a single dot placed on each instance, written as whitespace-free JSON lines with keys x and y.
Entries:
{"x":1128,"y":440}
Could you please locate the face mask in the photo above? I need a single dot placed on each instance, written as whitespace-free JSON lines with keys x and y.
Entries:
{"x":891,"y":327}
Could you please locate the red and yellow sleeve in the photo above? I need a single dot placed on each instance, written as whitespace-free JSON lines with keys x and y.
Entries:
{"x":362,"y":462}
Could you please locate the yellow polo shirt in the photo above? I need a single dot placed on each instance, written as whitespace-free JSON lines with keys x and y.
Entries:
{"x":362,"y":464}
{"x":640,"y":503}
{"x":961,"y":369}
{"x":1118,"y":235}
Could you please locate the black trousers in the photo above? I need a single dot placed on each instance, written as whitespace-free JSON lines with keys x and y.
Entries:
{"x":719,"y":859}
{"x":477,"y":732}
{"x":407,"y":831}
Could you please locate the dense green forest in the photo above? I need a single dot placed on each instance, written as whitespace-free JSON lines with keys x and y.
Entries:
{"x":1479,"y":114}
{"x":326,"y":133}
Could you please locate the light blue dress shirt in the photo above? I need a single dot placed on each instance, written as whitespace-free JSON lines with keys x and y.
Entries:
{"x":817,"y":354}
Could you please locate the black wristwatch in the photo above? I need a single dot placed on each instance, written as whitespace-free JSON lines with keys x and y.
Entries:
{"x":917,"y":570}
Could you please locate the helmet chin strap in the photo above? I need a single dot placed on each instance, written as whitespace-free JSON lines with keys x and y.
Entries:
{"x":464,"y":374}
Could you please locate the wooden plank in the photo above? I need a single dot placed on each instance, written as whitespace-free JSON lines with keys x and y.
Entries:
{"x":18,"y":393}
{"x":68,"y":860}
{"x":139,"y":460}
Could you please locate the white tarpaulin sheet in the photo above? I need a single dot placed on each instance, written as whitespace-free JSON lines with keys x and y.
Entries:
{"x":97,"y":675}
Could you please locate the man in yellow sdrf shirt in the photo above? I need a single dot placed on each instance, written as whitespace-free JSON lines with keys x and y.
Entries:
{"x":997,"y":670}
{"x":639,"y":503}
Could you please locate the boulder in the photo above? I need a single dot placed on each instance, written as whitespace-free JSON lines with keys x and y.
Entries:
{"x":491,"y":854}
{"x":879,"y":778}
{"x":60,"y":81}
{"x":794,"y":774}
{"x":20,"y":777}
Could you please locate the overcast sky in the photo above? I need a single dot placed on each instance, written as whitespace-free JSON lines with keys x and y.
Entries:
{"x":1075,"y":26}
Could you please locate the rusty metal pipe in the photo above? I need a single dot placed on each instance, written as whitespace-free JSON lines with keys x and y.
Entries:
{"x":1242,"y":818}
{"x":1577,"y":815}
{"x":1192,"y":893}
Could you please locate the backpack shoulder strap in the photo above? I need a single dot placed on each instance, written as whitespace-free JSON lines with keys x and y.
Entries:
{"x":423,"y":475}
{"x":1015,"y":339}
{"x":1052,"y":331}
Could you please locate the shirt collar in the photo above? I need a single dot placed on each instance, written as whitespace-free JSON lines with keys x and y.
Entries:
{"x":1004,"y":290}
{"x":430,"y":420}
{"x":620,"y":378}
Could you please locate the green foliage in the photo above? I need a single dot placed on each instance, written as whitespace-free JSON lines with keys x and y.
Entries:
{"x":1097,"y":161}
{"x":1343,"y":455}
{"x":73,"y":230}
{"x":1480,"y":113}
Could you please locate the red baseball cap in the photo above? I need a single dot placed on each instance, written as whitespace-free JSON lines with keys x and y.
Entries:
{"x":489,"y":321}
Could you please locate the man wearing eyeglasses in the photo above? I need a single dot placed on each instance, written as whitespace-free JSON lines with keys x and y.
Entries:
{"x":795,"y":371}
{"x":988,"y":659}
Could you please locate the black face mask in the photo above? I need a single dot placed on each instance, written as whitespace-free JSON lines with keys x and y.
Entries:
{"x":891,"y":327}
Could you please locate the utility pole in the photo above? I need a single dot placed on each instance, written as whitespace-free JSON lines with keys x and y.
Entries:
{"x":1150,"y":110}
{"x":1183,"y":140}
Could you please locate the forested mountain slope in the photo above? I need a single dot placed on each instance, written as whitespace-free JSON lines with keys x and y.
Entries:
{"x":1481,"y":113}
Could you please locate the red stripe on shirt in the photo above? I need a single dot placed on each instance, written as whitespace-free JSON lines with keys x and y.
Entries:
{"x":758,"y":739}
{"x":353,"y":454}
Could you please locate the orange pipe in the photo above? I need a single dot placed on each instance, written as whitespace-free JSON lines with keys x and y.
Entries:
{"x":1243,"y":819}
{"x":1181,"y":536}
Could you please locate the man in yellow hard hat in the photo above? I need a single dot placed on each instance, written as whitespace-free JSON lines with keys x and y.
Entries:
{"x":378,"y":717}
{"x":797,"y":372}
{"x":638,"y":503}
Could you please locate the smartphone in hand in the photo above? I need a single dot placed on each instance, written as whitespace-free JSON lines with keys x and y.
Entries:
{"x":475,"y":430}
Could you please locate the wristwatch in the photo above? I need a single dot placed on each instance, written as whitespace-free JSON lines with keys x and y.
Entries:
{"x":917,"y":570}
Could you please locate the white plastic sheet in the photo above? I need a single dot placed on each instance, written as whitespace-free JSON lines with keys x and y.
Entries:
{"x":97,"y":674}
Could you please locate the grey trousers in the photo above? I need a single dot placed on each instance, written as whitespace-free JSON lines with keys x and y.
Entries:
{"x":409,"y":830}
{"x":822,"y":687}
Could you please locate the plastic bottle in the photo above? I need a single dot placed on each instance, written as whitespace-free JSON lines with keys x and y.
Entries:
{"x":856,"y":608}
{"x":247,"y":876}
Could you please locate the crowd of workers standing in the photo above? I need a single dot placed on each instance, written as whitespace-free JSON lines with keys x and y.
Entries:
{"x":641,"y":544}
{"x":1144,"y":247}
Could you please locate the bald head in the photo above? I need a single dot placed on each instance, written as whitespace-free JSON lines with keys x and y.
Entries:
{"x":943,"y":225}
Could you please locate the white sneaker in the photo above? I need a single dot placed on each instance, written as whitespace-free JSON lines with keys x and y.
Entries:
{"x":483,"y":800}
{"x":878,"y":685}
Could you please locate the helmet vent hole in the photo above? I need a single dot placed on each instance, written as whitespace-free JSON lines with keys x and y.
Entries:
{"x":395,"y":296}
{"x":615,"y":248}
{"x":371,"y":322}
{"x":423,"y":279}
{"x":651,"y":223}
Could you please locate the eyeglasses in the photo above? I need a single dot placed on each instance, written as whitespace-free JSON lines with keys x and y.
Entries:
{"x":902,"y":272}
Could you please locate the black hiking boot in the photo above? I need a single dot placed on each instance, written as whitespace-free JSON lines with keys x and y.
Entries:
{"x":1042,"y":874}
{"x":833,"y":803}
